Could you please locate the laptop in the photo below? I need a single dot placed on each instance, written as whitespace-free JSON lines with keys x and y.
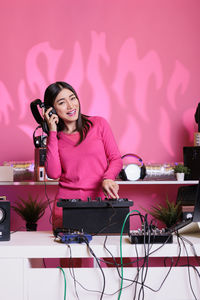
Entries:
{"x":192,"y":224}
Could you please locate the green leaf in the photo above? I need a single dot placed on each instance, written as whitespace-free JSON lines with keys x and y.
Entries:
{"x":30,"y":209}
{"x":169,"y":212}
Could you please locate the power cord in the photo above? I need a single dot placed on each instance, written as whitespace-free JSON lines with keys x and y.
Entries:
{"x":121,"y":259}
{"x":64,"y":281}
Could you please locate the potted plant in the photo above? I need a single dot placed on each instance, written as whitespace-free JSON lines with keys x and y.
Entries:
{"x":180,"y":170}
{"x":31,"y":210}
{"x":169,"y":213}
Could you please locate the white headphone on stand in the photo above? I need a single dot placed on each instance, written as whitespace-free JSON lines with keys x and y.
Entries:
{"x":133,"y":171}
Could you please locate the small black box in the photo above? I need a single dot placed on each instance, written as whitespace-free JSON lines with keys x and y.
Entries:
{"x":191,"y":158}
{"x":4,"y":220}
{"x":154,"y":238}
{"x":96,"y":217}
{"x":40,"y":157}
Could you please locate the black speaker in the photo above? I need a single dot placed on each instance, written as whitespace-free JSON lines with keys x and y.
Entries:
{"x":4,"y":221}
{"x":191,"y":158}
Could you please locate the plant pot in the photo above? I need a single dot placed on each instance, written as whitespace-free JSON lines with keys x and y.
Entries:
{"x":31,"y":226}
{"x":180,"y":176}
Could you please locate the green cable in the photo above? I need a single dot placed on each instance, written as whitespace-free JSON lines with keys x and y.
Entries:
{"x":64,"y":281}
{"x":121,"y":259}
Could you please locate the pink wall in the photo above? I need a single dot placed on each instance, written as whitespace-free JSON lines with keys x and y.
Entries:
{"x":134,"y":62}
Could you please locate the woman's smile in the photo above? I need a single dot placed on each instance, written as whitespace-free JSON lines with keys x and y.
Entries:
{"x":71,"y":113}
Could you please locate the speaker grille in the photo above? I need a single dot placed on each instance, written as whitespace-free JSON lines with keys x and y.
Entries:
{"x":4,"y":221}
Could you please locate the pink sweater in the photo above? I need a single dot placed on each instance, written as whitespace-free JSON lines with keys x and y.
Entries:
{"x":82,"y":168}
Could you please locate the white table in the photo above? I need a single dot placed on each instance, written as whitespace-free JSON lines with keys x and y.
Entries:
{"x":20,"y":281}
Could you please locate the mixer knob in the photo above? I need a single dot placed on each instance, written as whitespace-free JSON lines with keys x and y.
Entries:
{"x":98,"y":199}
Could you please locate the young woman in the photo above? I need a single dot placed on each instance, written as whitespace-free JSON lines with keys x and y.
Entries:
{"x":81,"y":150}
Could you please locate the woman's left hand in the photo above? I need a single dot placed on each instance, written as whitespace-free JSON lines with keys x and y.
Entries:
{"x":110,"y":188}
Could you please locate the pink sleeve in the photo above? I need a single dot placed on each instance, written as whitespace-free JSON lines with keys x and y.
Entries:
{"x":52,"y":163}
{"x":112,"y":152}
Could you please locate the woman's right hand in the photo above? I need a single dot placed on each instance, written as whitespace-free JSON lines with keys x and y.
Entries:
{"x":52,"y":120}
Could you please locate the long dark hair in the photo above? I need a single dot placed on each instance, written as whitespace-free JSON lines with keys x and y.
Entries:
{"x":82,"y":124}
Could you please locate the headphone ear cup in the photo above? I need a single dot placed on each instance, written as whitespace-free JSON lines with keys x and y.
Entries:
{"x":122,"y":175}
{"x":133,"y":172}
{"x":143,"y":172}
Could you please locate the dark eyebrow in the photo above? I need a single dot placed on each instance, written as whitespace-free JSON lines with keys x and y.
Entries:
{"x":60,"y":99}
{"x":70,"y":96}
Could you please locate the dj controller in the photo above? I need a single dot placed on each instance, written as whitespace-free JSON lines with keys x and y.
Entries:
{"x":97,"y":202}
{"x":98,"y":216}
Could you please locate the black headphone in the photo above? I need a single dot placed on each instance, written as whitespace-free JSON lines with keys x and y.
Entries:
{"x":39,"y":141}
{"x":133,"y":171}
{"x":37,"y":116}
